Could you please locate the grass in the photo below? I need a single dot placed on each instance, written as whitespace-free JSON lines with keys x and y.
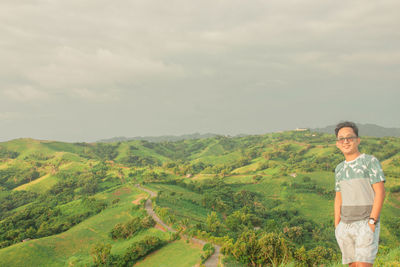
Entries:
{"x":176,"y":254}
{"x":73,"y":246}
{"x":268,"y":188}
{"x":389,"y":211}
{"x":177,"y":189}
{"x":144,"y":151}
{"x":324,"y":179}
{"x":184,"y":209}
{"x":73,"y":207}
{"x":392,"y":258}
{"x":313,"y":206}
{"x":202,"y":176}
{"x":252,"y":167}
{"x":39,"y":185}
{"x":179,"y":200}
{"x":235,"y":179}
{"x":62,"y":146}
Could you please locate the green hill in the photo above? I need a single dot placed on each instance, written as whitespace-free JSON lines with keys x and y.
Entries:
{"x":67,"y":197}
{"x":73,"y":246}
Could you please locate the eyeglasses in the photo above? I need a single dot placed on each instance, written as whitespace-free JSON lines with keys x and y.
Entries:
{"x":348,"y":139}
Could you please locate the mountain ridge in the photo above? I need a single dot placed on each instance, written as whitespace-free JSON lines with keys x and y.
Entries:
{"x":367,"y":129}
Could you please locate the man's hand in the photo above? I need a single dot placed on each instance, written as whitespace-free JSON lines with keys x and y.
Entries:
{"x":372,"y":226}
{"x":338,"y":204}
{"x":379,"y":190}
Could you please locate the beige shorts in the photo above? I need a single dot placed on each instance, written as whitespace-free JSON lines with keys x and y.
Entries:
{"x":357,"y":241}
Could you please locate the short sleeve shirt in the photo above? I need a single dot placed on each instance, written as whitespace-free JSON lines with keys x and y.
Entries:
{"x":354,"y":179}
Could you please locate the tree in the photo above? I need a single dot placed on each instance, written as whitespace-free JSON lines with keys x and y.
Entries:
{"x":320,"y":255}
{"x":100,"y":253}
{"x":183,"y":224}
{"x":141,"y":248}
{"x":238,"y":220}
{"x":257,"y":178}
{"x":295,"y":233}
{"x":213,"y":225}
{"x":260,"y":249}
{"x":99,"y":170}
{"x":121,"y":175}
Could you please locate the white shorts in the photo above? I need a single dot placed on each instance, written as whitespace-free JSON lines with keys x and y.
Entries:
{"x":357,"y":241}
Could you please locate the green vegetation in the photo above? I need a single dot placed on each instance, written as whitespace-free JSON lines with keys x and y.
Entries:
{"x":126,"y":230}
{"x":74,"y":245}
{"x":266,"y":199}
{"x":178,"y":253}
{"x":208,"y":250}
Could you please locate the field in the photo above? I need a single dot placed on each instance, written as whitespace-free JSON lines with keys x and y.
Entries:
{"x":66,"y":197}
{"x":72,"y":247}
{"x":178,"y":253}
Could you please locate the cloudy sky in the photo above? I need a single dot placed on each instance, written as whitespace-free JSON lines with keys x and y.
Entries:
{"x":83,"y":70}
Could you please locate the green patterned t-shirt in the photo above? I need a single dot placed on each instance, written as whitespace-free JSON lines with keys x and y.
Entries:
{"x":354,"y":180}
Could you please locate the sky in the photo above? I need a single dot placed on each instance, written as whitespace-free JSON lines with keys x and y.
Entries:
{"x":84,"y":70}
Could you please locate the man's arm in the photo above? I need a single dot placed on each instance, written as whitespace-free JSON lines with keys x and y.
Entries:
{"x":379,"y":190}
{"x":338,"y":204}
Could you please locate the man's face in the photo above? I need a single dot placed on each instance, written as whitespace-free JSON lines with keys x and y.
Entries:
{"x":347,"y":141}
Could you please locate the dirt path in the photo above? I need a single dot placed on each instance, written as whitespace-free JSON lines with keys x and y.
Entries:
{"x":212,"y":261}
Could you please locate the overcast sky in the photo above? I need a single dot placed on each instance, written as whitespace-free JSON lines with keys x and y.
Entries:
{"x":81,"y":70}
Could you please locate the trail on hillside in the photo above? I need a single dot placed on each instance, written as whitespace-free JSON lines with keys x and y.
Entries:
{"x":212,"y":261}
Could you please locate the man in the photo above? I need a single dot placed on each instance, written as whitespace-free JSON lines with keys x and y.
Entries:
{"x":359,"y":198}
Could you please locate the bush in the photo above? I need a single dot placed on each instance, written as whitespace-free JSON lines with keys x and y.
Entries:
{"x":208,"y":250}
{"x":147,"y":222}
{"x":115,"y":201}
{"x":320,"y":255}
{"x":257,"y":178}
{"x":260,"y":249}
{"x":395,"y":189}
{"x":100,"y":253}
{"x":141,"y":248}
{"x":130,"y":228}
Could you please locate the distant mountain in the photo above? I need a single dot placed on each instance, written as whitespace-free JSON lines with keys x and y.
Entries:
{"x":161,"y":138}
{"x":364,"y":130}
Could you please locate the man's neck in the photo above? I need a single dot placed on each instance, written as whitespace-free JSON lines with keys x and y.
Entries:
{"x":350,"y":157}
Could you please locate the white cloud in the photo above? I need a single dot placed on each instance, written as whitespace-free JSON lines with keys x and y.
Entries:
{"x":91,"y":95}
{"x":5,"y":116}
{"x":214,"y":55}
{"x":25,"y":93}
{"x":100,"y":70}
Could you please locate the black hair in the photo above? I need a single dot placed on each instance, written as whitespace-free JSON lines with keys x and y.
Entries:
{"x":346,"y":124}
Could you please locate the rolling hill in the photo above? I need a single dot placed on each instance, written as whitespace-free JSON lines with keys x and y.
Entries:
{"x":64,"y":199}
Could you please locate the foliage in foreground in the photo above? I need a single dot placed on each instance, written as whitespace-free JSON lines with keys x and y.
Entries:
{"x":259,"y":248}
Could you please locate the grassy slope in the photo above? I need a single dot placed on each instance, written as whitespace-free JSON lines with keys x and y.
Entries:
{"x":178,"y":253}
{"x":39,"y":185}
{"x":73,"y":246}
{"x":178,"y":202}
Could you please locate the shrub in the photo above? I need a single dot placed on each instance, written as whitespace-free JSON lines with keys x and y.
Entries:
{"x":141,"y":248}
{"x":395,"y":189}
{"x":260,"y":249}
{"x":208,"y":250}
{"x":100,"y":253}
{"x":131,"y":227}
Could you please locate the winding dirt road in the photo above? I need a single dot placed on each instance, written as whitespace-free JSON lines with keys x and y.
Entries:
{"x":212,"y":261}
